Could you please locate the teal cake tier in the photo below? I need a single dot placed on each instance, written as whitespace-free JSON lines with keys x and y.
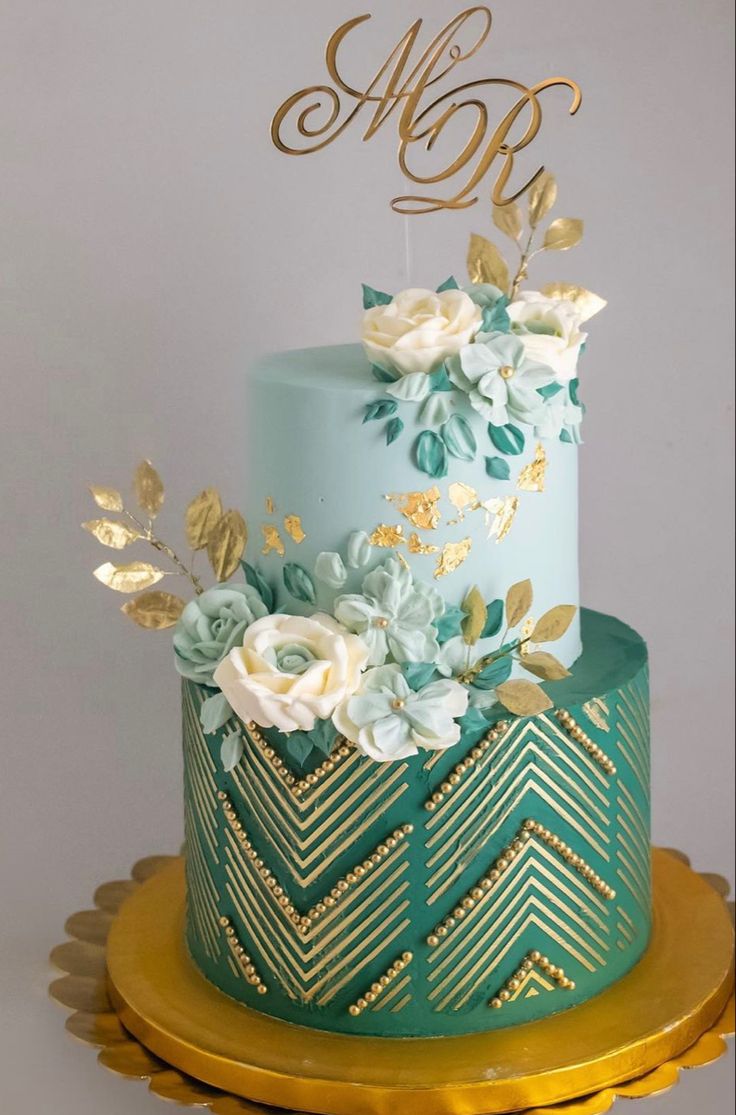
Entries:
{"x":491,"y":885}
{"x":308,"y":454}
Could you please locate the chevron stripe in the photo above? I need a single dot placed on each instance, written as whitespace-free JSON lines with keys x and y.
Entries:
{"x":598,"y":713}
{"x":200,"y":830}
{"x":633,"y":854}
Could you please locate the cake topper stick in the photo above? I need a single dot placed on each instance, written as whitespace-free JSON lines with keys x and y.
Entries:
{"x":320,"y":114}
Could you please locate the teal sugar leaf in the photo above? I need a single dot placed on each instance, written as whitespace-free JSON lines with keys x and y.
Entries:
{"x":459,"y":438}
{"x":394,"y":430}
{"x":440,"y":380}
{"x":473,"y":722}
{"x":497,"y":468}
{"x":431,"y":455}
{"x":373,"y":298}
{"x":494,"y":620}
{"x":214,"y":713}
{"x":418,"y":674}
{"x":384,"y":376}
{"x":567,"y":437}
{"x":323,"y":736}
{"x":449,"y":284}
{"x":256,"y":581}
{"x":550,"y":390}
{"x":449,"y":626}
{"x":384,"y":408}
{"x":496,"y":318}
{"x":300,"y":747}
{"x":494,"y":675}
{"x":231,"y":751}
{"x":299,"y":583}
{"x":507,"y":439}
{"x":575,"y":392}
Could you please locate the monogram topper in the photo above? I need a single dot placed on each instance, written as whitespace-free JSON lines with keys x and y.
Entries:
{"x":319,"y":115}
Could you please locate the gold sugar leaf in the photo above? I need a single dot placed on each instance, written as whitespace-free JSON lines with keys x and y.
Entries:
{"x":508,"y":219}
{"x":416,"y":546}
{"x":587,"y":303}
{"x":202,"y":516}
{"x":531,"y":478}
{"x":226,"y":545}
{"x":111,"y":533}
{"x":542,"y":198}
{"x":500,"y":514}
{"x":463,"y":497}
{"x":129,"y":578}
{"x":518,"y":602}
{"x":387,"y":538}
{"x":107,"y":498}
{"x":523,"y":698}
{"x":476,"y":616}
{"x":149,"y":489}
{"x":422,"y":509}
{"x":273,"y":542}
{"x":554,"y":624}
{"x":294,"y":529}
{"x":156,"y":611}
{"x":454,"y":554}
{"x":544,"y":666}
{"x":487,"y":265}
{"x":563,"y":234}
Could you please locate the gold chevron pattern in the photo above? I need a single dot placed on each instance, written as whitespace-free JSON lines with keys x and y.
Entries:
{"x":633,"y":854}
{"x":533,"y":761}
{"x":536,"y":971}
{"x":200,"y":829}
{"x":538,"y":890}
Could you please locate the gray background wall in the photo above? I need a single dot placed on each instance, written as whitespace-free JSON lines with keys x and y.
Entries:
{"x":152,"y":242}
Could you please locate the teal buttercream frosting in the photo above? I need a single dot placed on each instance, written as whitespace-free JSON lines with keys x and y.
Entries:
{"x":493,"y":884}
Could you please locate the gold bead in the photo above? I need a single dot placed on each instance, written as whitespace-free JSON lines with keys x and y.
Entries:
{"x":504,"y":996}
{"x":262,"y":989}
{"x":496,"y":1004}
{"x":433,"y":941}
{"x":355,"y":1011}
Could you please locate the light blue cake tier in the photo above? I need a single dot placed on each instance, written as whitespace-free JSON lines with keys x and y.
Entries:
{"x":307,"y":452}
{"x":491,"y":885}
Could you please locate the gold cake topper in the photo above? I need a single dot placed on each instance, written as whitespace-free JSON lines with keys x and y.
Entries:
{"x":320,"y":114}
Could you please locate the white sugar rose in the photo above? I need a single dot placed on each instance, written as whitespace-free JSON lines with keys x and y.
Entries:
{"x":550,"y":330}
{"x":419,"y":330}
{"x":291,"y":671}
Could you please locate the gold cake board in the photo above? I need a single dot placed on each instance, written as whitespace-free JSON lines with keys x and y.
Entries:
{"x":137,"y":995}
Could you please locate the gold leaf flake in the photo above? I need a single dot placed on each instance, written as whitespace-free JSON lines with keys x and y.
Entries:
{"x":519,"y":600}
{"x":526,"y":633}
{"x":226,"y":545}
{"x":420,"y":508}
{"x":500,"y":515}
{"x":149,"y":489}
{"x":463,"y":497}
{"x":202,"y":516}
{"x":476,"y":616}
{"x":293,"y":527}
{"x":454,"y":554}
{"x":587,"y":303}
{"x":554,"y":624}
{"x":387,"y":538}
{"x":542,"y":197}
{"x":523,"y":698}
{"x":487,"y":265}
{"x":156,"y":611}
{"x":416,"y":546}
{"x":563,"y":234}
{"x":107,"y":498}
{"x":545,"y":666}
{"x":273,"y":541}
{"x":270,"y":505}
{"x":509,"y":220}
{"x":129,"y":578}
{"x":110,"y":533}
{"x":533,"y":476}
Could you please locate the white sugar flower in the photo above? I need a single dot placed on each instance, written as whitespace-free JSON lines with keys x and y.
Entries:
{"x":394,"y":616}
{"x":550,"y":331}
{"x":419,"y":330}
{"x":500,"y":380}
{"x":388,"y":721}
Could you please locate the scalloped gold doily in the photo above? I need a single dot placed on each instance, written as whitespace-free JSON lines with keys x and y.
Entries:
{"x":84,"y":991}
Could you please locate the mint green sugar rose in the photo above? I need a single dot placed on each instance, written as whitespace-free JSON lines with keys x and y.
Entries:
{"x":211,"y":626}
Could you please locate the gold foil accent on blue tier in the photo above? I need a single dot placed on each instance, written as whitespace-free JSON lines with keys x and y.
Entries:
{"x":416,"y":546}
{"x":500,"y":516}
{"x":381,"y":986}
{"x":453,"y":556}
{"x":387,"y":538}
{"x":532,"y":478}
{"x":522,"y":983}
{"x":270,"y":505}
{"x":422,"y":509}
{"x":273,"y":542}
{"x":463,"y":498}
{"x":294,"y":529}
